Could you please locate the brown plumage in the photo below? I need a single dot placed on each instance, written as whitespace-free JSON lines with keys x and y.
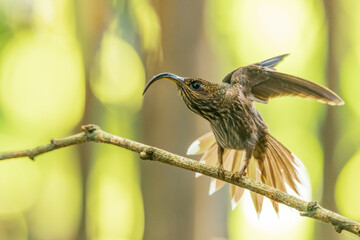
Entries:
{"x":240,"y":141}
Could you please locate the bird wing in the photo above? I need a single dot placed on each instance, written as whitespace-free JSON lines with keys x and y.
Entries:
{"x":261,"y":83}
{"x":272,"y":62}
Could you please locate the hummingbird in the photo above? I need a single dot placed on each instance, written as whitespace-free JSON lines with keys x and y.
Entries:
{"x":239,"y":140}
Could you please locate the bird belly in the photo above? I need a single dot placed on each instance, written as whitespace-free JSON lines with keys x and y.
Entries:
{"x":232,"y":136}
{"x":240,"y":125}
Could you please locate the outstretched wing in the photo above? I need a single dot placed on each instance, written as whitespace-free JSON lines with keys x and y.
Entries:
{"x":277,"y":84}
{"x":261,"y":83}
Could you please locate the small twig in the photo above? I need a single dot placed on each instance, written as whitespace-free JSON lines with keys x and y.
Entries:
{"x":92,"y":133}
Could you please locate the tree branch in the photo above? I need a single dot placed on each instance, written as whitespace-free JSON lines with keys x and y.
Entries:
{"x":92,"y":133}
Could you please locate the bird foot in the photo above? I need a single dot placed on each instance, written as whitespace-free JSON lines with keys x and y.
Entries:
{"x":242,"y":171}
{"x":221,"y":172}
{"x":235,"y":176}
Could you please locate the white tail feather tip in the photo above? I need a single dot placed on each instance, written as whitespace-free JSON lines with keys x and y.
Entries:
{"x":212,"y":188}
{"x":305,"y":186}
{"x":233,"y":204}
{"x":194,"y":148}
{"x":198,"y":175}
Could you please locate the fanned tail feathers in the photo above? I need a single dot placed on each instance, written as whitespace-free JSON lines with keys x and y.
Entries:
{"x":279,"y":169}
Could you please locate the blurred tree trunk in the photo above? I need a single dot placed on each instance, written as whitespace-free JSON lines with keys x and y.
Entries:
{"x":92,"y":20}
{"x":330,"y":135}
{"x":169,"y":193}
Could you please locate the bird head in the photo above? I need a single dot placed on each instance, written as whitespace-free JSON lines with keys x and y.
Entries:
{"x":200,"y":96}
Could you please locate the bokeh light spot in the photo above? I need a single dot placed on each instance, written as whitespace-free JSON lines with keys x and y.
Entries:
{"x":41,"y":83}
{"x":121,"y":77}
{"x":347,"y":194}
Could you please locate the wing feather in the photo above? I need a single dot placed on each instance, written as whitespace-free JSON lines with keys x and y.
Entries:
{"x":260,"y":82}
{"x":278,"y":84}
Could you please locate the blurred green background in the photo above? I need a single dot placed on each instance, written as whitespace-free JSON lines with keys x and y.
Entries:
{"x":67,"y":63}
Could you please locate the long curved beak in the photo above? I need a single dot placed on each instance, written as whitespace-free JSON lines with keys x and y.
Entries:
{"x":169,"y":76}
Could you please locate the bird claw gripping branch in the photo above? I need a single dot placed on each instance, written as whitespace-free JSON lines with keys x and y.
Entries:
{"x":240,"y":141}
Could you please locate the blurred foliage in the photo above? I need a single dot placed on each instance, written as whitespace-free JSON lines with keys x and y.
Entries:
{"x":346,"y":195}
{"x":115,"y":72}
{"x":42,"y":95}
{"x":43,"y":74}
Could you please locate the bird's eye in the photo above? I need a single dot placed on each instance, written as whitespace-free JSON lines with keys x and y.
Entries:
{"x":195,"y":85}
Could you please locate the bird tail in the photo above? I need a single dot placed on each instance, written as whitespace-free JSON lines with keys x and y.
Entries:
{"x":280,"y":169}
